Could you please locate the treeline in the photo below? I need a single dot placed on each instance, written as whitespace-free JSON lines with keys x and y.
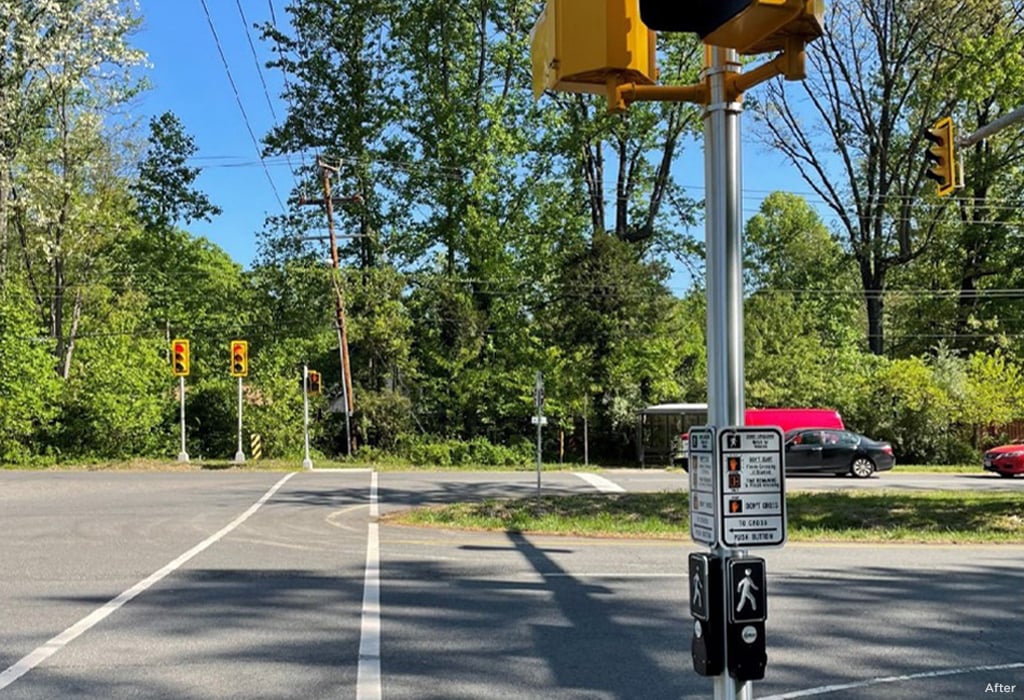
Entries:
{"x":498,"y":237}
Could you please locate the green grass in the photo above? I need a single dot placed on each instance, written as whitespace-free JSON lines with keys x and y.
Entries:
{"x":875,"y":516}
{"x":940,"y":468}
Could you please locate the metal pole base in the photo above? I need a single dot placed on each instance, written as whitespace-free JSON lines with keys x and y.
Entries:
{"x":239,"y":458}
{"x":183,"y":457}
{"x":307,"y":463}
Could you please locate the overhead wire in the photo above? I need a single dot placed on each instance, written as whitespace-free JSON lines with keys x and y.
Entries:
{"x":241,"y":106}
{"x":259,"y":72}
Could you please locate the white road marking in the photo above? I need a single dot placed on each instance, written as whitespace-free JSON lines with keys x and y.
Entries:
{"x":42,"y":653}
{"x":368,"y":683}
{"x":822,"y":690}
{"x":600,"y":483}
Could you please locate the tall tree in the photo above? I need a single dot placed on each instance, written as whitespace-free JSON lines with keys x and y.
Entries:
{"x":69,"y":197}
{"x":855,"y":127}
{"x":165,"y":186}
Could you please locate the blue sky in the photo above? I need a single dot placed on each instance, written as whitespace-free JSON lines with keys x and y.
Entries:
{"x":189,"y":78}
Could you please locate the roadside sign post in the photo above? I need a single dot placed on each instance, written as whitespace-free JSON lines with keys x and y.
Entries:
{"x":737,"y":501}
{"x":538,"y":402}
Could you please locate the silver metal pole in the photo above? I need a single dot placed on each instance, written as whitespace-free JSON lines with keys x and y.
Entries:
{"x":538,"y":400}
{"x":240,"y":454}
{"x":182,"y":455}
{"x":724,"y":280}
{"x":307,"y":463}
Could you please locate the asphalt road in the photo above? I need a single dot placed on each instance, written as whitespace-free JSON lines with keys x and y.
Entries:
{"x":266,"y":585}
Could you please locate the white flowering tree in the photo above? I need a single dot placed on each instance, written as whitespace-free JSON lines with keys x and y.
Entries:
{"x":65,"y":67}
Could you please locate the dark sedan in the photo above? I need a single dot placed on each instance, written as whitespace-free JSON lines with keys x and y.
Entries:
{"x":836,"y":451}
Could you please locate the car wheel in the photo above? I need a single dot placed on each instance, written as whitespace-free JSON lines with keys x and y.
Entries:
{"x":1006,"y":475}
{"x":862,"y":467}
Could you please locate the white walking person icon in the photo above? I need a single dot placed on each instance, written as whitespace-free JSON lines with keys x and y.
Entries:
{"x":698,"y":596}
{"x":744,"y":588}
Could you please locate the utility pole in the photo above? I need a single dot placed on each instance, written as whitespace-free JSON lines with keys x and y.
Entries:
{"x":339,"y":298}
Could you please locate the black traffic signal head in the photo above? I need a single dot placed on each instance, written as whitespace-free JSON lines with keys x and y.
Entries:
{"x":749,"y":26}
{"x":239,"y":358}
{"x":314,"y":382}
{"x":941,"y":155}
{"x":180,"y":357}
{"x":699,"y":18}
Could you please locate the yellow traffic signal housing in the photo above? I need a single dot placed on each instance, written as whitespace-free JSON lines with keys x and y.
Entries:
{"x":749,"y":26}
{"x":941,"y":155}
{"x":180,"y":357}
{"x":239,"y":358}
{"x":581,"y":45}
{"x":314,"y":382}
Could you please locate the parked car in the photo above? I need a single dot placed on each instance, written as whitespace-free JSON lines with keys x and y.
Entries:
{"x":1005,"y":460}
{"x":836,"y":451}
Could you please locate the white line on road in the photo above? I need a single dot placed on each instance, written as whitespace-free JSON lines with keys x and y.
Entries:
{"x":42,"y":653}
{"x":890,"y":679}
{"x":368,"y":684}
{"x":600,"y":483}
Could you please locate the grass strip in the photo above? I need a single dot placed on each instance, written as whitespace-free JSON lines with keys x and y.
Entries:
{"x":847,"y":516}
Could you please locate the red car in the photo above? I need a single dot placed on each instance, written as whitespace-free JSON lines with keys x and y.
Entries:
{"x":1006,"y":460}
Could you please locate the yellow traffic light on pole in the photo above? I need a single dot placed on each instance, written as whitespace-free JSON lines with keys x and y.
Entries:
{"x":239,"y":358}
{"x":315,"y":386}
{"x":941,"y":155}
{"x":180,"y":357}
{"x":580,"y":45}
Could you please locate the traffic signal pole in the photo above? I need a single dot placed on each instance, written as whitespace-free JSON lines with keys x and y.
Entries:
{"x":183,"y":455}
{"x":724,"y":280}
{"x":240,"y":454}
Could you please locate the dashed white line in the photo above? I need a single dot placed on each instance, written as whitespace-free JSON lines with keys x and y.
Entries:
{"x":600,"y":483}
{"x":368,"y":682}
{"x":51,"y":647}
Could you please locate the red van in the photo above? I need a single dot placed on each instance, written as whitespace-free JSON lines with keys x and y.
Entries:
{"x":785,"y":418}
{"x":793,"y":418}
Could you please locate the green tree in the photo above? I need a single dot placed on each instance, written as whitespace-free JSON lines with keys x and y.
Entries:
{"x":76,"y":65}
{"x":855,"y":128}
{"x":165,"y":184}
{"x":29,"y":389}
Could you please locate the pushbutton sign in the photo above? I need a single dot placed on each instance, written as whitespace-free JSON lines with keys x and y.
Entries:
{"x":751,"y":471}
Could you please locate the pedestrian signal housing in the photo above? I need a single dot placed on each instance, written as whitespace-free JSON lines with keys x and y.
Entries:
{"x":582,"y":45}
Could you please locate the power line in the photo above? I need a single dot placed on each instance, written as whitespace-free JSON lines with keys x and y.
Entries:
{"x":241,"y":106}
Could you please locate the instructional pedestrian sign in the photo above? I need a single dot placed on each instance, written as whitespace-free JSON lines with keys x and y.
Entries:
{"x":751,"y":472}
{"x":704,"y":501}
